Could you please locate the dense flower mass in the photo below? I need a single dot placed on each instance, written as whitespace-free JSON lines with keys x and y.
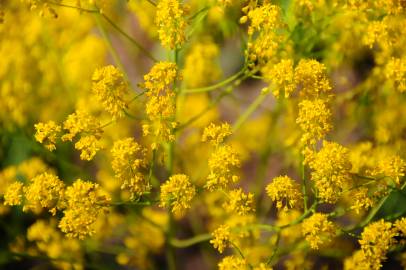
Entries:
{"x":204,"y":134}
{"x":47,"y":133}
{"x":177,"y":193}
{"x":318,"y":230}
{"x":110,"y":88}
{"x":84,"y":204}
{"x":285,"y":192}
{"x":128,"y":160}
{"x":330,"y":171}
{"x":171,"y":23}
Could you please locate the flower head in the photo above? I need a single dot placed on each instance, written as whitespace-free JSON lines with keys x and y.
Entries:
{"x":314,"y":119}
{"x":45,"y":190}
{"x":47,"y":133}
{"x":14,"y":194}
{"x":239,"y":202}
{"x":221,"y":238}
{"x":331,"y":167}
{"x":317,"y":229}
{"x":128,"y":160}
{"x":84,"y":204}
{"x":171,"y":23}
{"x":221,"y":164}
{"x":281,"y":76}
{"x":285,"y":192}
{"x":216,"y":133}
{"x":177,"y":193}
{"x":110,"y":87}
{"x":311,"y":76}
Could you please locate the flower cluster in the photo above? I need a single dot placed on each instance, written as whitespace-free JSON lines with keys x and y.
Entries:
{"x":330,"y":173}
{"x":110,"y":87}
{"x":285,"y":192}
{"x":171,"y":23}
{"x":177,"y":194}
{"x":221,"y":238}
{"x":318,"y":230}
{"x":128,"y":160}
{"x":160,"y":107}
{"x":84,"y":204}
{"x":47,"y":133}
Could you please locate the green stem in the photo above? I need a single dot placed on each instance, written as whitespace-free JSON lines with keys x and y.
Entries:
{"x":74,"y":7}
{"x":198,"y":12}
{"x":275,"y":249}
{"x":304,"y":182}
{"x":272,"y":228}
{"x":137,"y":96}
{"x":217,"y":85}
{"x":375,"y":210}
{"x":184,"y":243}
{"x":131,"y":39}
{"x":110,"y":46}
{"x":251,"y":109}
{"x":203,"y":112}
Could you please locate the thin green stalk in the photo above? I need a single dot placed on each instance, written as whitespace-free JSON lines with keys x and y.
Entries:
{"x":203,"y":112}
{"x":217,"y":85}
{"x":131,"y":39}
{"x":110,"y":46}
{"x":184,"y":243}
{"x":152,"y":3}
{"x":304,"y":182}
{"x":199,"y":12}
{"x":375,"y":210}
{"x":250,"y":110}
{"x":137,"y":96}
{"x":273,"y":228}
{"x":275,"y":249}
{"x":74,"y":7}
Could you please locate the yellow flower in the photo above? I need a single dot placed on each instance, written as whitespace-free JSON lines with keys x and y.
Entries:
{"x":177,"y":194}
{"x":110,"y":87}
{"x":221,"y":237}
{"x":239,"y":202}
{"x":317,"y":230}
{"x":265,"y":17}
{"x":216,"y":133}
{"x":314,"y":119}
{"x":262,"y":266}
{"x":281,"y":76}
{"x":47,"y":133}
{"x":171,"y":23}
{"x":400,"y":225}
{"x":45,"y":190}
{"x":84,"y":204}
{"x":264,"y":39}
{"x":312,"y":79}
{"x":391,"y":166}
{"x":78,"y":122}
{"x":14,"y":194}
{"x":331,"y":167}
{"x":88,"y":145}
{"x":376,"y":32}
{"x":395,"y":72}
{"x":233,"y":263}
{"x":285,"y":192}
{"x":222,"y":162}
{"x":128,"y":159}
{"x":160,"y":79}
{"x":376,"y":239}
{"x":361,"y":200}
{"x":160,"y":107}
